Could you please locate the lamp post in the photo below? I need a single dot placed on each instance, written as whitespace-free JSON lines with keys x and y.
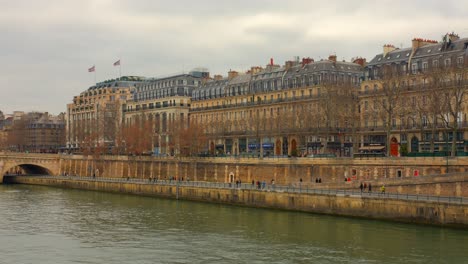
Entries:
{"x":446,"y":154}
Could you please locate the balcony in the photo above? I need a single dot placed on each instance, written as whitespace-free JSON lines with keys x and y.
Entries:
{"x":256,"y":103}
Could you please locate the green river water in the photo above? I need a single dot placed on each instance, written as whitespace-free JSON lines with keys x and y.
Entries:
{"x":51,"y":225}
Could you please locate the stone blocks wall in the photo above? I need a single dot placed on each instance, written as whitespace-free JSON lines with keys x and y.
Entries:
{"x":443,"y":214}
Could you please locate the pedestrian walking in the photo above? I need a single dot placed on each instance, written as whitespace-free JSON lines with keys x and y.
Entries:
{"x":370,"y":187}
{"x":382,"y":189}
{"x":361,"y":187}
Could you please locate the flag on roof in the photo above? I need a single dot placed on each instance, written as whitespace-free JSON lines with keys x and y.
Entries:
{"x":92,"y":69}
{"x":117,"y":63}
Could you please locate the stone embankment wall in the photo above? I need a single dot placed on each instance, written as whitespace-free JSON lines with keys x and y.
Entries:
{"x":403,"y":175}
{"x":435,"y":213}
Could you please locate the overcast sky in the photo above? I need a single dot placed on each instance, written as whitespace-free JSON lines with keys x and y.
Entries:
{"x":47,"y":46}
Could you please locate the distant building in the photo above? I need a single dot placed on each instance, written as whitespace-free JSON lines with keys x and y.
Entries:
{"x":277,"y":110}
{"x":95,"y":116}
{"x":33,"y":132}
{"x":164,"y":104}
{"x":409,"y":95}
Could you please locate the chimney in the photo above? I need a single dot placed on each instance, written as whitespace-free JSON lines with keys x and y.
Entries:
{"x":360,"y":61}
{"x":419,"y":42}
{"x":255,"y":69}
{"x":452,"y":36}
{"x":387,"y":48}
{"x":271,"y":66}
{"x":332,"y":58}
{"x":306,"y":61}
{"x":218,"y":77}
{"x":232,"y":74}
{"x":288,"y":64}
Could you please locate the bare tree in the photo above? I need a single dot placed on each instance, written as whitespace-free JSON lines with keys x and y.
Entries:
{"x":388,"y":100}
{"x":192,"y":139}
{"x":453,"y":82}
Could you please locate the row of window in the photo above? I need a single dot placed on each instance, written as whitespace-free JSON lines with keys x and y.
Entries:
{"x":154,"y":94}
{"x":272,"y":85}
{"x":420,"y":66}
{"x":271,"y":99}
{"x":167,"y":84}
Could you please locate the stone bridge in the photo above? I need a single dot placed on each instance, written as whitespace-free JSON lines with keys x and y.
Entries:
{"x":39,"y":164}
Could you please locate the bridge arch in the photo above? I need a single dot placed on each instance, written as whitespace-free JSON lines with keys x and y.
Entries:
{"x":25,"y":169}
{"x":29,"y":169}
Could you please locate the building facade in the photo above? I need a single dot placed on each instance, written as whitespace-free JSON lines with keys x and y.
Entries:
{"x":288,"y":110}
{"x":160,"y":110}
{"x":33,"y":132}
{"x":415,"y":99}
{"x":94,"y":119}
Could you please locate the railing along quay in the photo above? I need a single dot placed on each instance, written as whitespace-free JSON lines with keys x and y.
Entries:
{"x":265,"y":188}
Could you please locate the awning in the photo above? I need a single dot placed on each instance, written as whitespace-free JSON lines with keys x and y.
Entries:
{"x":372,"y":148}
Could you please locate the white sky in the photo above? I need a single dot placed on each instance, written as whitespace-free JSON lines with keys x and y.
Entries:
{"x":47,"y":46}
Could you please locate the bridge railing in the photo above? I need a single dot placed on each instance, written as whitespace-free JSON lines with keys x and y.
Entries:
{"x":271,"y":188}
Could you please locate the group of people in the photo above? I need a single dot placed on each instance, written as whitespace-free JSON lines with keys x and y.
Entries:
{"x":365,"y":187}
{"x":260,"y":185}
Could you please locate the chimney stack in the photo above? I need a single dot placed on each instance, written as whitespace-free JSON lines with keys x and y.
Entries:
{"x":271,"y":61}
{"x":387,"y":48}
{"x":232,"y":74}
{"x":332,"y":58}
{"x":288,"y":64}
{"x":255,"y":70}
{"x":306,"y":61}
{"x":419,"y":42}
{"x":360,"y":61}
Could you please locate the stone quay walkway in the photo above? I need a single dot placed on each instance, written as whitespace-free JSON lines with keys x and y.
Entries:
{"x":264,"y":188}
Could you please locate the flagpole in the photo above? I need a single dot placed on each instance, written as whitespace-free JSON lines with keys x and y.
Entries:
{"x":120,"y":69}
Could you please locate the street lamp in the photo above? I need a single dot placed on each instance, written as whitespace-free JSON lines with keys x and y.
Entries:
{"x":446,"y":153}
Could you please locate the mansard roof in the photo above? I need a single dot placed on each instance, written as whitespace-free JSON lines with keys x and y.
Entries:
{"x":240,"y":79}
{"x":431,"y":50}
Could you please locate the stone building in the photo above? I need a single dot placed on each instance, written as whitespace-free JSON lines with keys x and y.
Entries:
{"x":279,"y":110}
{"x":414,"y":99}
{"x":163,"y":104}
{"x":95,"y":117}
{"x":3,"y":134}
{"x":45,"y":133}
{"x":33,"y":132}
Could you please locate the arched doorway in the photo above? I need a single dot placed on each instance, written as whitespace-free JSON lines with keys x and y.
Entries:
{"x":212,"y":148}
{"x":278,"y":147}
{"x":394,"y":147}
{"x":293,"y":147}
{"x":414,"y":144}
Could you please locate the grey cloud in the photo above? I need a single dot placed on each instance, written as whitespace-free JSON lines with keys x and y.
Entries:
{"x":47,"y":46}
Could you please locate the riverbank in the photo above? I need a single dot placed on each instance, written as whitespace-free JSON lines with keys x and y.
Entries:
{"x":385,"y":207}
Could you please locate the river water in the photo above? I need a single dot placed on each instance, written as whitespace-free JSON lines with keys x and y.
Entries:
{"x":51,"y":225}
